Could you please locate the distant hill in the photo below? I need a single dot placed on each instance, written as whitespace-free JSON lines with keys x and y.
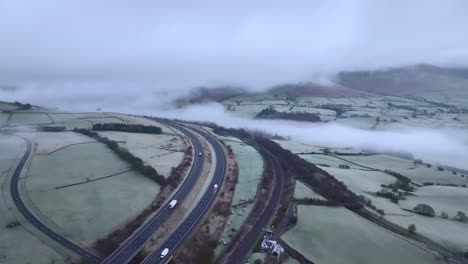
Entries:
{"x":409,"y":81}
{"x":310,"y":89}
{"x":210,"y":94}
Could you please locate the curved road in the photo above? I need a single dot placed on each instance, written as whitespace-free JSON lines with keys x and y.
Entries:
{"x":196,"y":215}
{"x":130,"y":248}
{"x":242,"y":251}
{"x":22,"y":208}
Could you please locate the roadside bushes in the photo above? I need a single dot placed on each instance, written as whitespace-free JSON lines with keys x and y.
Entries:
{"x":131,"y":128}
{"x":136,"y":163}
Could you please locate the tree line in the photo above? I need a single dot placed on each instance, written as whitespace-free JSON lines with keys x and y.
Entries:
{"x":272,"y":113}
{"x":132,"y":128}
{"x":136,"y":163}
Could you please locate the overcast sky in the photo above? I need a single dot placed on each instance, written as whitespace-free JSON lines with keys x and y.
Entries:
{"x":180,"y":44}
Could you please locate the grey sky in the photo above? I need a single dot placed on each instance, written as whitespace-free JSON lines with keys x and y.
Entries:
{"x":180,"y":44}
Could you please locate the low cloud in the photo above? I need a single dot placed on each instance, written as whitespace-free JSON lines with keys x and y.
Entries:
{"x":435,"y":146}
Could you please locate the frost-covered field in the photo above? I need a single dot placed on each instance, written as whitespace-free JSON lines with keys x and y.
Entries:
{"x":441,"y":198}
{"x":301,"y":191}
{"x":17,"y":245}
{"x":250,"y":171}
{"x":337,"y":236}
{"x":67,"y":187}
{"x":47,"y":142}
{"x":21,"y":119}
{"x":449,"y":233}
{"x":163,"y":151}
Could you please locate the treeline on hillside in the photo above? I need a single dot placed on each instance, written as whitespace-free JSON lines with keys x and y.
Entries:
{"x":272,"y":113}
{"x":137,"y":163}
{"x":133,"y":128}
{"x":22,"y":106}
{"x":322,"y":182}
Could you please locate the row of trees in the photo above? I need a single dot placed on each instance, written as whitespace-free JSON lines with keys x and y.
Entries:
{"x":21,"y":106}
{"x":132,"y":128}
{"x":427,"y":210}
{"x":271,"y":113}
{"x":136,"y":163}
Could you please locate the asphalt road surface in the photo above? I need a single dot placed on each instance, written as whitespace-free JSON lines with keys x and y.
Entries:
{"x":23,"y":209}
{"x":242,"y":251}
{"x":130,"y":248}
{"x":196,"y":215}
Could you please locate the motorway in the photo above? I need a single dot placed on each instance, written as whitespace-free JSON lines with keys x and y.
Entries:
{"x":184,"y":231}
{"x":135,"y":243}
{"x":29,"y":216}
{"x":242,"y":251}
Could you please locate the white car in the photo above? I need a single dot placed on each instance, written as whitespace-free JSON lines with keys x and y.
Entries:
{"x":164,"y":253}
{"x":172,"y":203}
{"x":199,"y":153}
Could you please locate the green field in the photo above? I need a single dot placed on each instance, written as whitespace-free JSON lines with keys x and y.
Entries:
{"x":337,"y":236}
{"x":94,"y":207}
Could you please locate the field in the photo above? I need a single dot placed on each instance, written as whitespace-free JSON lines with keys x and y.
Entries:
{"x":163,"y":152}
{"x":32,"y":250}
{"x":250,"y":171}
{"x":86,"y":191}
{"x":363,"y":180}
{"x":393,"y":112}
{"x":301,"y":191}
{"x":331,"y":235}
{"x":23,"y":119}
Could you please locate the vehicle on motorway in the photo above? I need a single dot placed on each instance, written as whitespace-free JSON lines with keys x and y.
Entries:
{"x":215,"y":187}
{"x":164,"y":253}
{"x":199,"y":153}
{"x":173,"y":203}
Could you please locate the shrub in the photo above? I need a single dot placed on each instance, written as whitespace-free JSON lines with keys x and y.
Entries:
{"x":424,"y":209}
{"x":444,"y":215}
{"x":412,"y":229}
{"x":461,"y":216}
{"x":380,"y":211}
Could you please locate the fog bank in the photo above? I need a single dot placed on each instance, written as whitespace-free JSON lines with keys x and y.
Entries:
{"x":434,"y":146}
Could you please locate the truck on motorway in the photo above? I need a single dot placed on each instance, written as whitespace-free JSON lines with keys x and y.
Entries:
{"x":164,"y":252}
{"x":173,"y":203}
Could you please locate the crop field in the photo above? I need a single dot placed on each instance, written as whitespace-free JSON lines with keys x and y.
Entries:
{"x":86,"y":190}
{"x":301,"y":191}
{"x":163,"y":151}
{"x":331,"y":235}
{"x":250,"y":172}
